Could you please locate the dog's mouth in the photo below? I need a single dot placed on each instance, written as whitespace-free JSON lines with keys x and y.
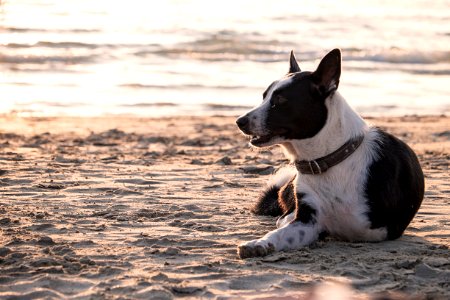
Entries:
{"x":268,"y":139}
{"x":259,"y":140}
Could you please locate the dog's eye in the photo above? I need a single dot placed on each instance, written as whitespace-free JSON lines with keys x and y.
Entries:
{"x":278,"y":100}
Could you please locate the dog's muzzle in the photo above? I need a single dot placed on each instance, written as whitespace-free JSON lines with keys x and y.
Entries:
{"x":256,"y":140}
{"x":244,"y":124}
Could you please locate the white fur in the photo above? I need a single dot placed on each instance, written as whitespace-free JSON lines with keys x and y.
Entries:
{"x":258,"y":115}
{"x":282,"y":176}
{"x":338,"y":194}
{"x":288,"y":237}
{"x":285,"y":220}
{"x":257,"y":118}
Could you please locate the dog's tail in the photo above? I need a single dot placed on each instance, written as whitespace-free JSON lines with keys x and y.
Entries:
{"x":268,"y":204}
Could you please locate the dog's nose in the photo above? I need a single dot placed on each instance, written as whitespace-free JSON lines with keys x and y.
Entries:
{"x":242,"y":122}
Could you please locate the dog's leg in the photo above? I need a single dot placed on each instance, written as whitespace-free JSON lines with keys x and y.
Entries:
{"x":283,"y":220}
{"x":291,"y":236}
{"x":302,"y":231}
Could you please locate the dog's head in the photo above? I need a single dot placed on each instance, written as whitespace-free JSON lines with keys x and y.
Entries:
{"x":294,"y":106}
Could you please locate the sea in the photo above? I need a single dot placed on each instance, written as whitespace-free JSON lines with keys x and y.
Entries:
{"x":205,"y":57}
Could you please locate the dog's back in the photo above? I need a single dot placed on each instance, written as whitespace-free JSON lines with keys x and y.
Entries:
{"x":395,"y":186}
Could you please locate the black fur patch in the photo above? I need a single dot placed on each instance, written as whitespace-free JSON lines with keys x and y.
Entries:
{"x":395,"y":186}
{"x":323,"y":235}
{"x":286,"y":197}
{"x":276,"y":201}
{"x":301,"y":235}
{"x":304,"y":213}
{"x":267,"y":204}
{"x":304,"y":113}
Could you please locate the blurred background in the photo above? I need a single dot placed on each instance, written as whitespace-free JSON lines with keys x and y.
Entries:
{"x":156,"y":58}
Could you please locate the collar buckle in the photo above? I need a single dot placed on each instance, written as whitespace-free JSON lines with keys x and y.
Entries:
{"x":312,"y":169}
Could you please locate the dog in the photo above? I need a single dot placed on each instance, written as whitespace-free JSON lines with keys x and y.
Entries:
{"x":347,"y":179}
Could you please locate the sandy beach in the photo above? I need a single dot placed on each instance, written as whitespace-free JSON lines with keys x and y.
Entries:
{"x":125,"y":208}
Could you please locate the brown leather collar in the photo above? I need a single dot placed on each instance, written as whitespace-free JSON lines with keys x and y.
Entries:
{"x":321,"y":165}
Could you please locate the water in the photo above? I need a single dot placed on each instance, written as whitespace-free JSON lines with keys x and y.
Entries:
{"x":149,"y":58}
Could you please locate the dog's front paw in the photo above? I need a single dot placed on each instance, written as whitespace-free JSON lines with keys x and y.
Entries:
{"x":255,"y":248}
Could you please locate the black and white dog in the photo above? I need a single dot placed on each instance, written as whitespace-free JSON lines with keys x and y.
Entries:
{"x":350,"y":180}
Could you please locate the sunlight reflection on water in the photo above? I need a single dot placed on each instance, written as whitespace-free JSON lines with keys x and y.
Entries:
{"x":202,"y":57}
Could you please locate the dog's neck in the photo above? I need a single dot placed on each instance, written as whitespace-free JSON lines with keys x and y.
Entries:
{"x":342,"y":124}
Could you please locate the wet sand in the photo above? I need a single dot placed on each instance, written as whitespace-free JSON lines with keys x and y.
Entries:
{"x":95,"y":208}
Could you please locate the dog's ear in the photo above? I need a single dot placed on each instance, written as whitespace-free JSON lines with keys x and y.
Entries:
{"x":328,"y":72}
{"x":293,"y":65}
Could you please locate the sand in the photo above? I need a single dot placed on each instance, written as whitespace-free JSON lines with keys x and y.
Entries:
{"x":105,"y":208}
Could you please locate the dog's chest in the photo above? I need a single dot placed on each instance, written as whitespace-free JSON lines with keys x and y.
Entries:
{"x":343,"y":217}
{"x":339,"y":201}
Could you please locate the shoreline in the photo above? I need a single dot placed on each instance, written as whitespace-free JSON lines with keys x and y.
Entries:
{"x":109,"y":207}
{"x":162,"y":110}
